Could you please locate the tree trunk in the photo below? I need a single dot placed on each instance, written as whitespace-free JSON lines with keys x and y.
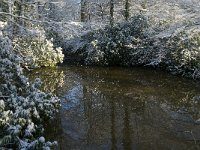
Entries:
{"x":127,"y":13}
{"x":102,"y":12}
{"x":22,"y":13}
{"x":18,"y":21}
{"x":111,"y":12}
{"x":10,"y":7}
{"x":144,"y":4}
{"x":83,"y":10}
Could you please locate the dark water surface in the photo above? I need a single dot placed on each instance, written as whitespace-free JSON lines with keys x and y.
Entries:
{"x":123,"y":108}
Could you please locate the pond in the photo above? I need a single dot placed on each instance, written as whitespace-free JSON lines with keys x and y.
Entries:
{"x":122,"y":108}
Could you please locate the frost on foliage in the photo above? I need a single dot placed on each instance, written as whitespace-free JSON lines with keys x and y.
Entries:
{"x":23,"y":107}
{"x":141,"y":41}
{"x":63,"y":31}
{"x":37,"y":51}
{"x":110,"y":46}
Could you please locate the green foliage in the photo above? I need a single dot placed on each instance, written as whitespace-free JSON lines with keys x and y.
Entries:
{"x":38,"y":51}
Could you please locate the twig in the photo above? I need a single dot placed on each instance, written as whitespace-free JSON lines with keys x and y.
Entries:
{"x":4,"y":96}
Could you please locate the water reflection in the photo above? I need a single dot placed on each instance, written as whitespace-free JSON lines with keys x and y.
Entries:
{"x":116,"y":108}
{"x":52,"y":78}
{"x":127,"y":127}
{"x":113,"y":131}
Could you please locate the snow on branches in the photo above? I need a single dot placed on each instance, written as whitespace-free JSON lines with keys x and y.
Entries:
{"x":23,"y":107}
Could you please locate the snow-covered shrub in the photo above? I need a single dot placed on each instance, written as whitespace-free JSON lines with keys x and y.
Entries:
{"x":110,"y":46}
{"x":185,"y":52}
{"x":23,"y":107}
{"x":186,"y":49}
{"x":38,"y":51}
{"x":133,"y":43}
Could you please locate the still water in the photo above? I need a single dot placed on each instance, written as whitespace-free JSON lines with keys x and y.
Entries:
{"x":122,"y":108}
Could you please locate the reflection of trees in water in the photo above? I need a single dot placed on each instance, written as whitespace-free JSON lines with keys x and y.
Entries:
{"x":95,"y":113}
{"x":189,"y":101}
{"x":124,"y":113}
{"x":53,"y":129}
{"x":52,"y":78}
{"x":127,"y":139}
{"x":175,"y":92}
{"x":113,"y":126}
{"x":154,"y":119}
